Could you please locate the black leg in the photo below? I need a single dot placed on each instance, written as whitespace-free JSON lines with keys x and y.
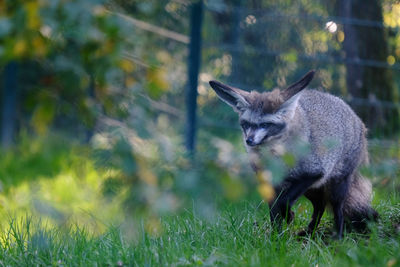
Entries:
{"x":338,"y":192}
{"x":338,"y":217}
{"x":316,"y":196}
{"x":288,"y":192}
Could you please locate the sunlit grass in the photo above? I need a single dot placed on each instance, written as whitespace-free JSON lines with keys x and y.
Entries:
{"x":68,"y":183}
{"x":65,"y":209}
{"x":56,"y":181}
{"x":231,"y":239}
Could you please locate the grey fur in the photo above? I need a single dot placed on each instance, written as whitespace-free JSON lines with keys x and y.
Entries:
{"x":334,"y":133}
{"x":327,"y":117}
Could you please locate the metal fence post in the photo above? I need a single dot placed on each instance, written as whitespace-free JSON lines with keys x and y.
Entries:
{"x":194,"y":59}
{"x":9,"y":105}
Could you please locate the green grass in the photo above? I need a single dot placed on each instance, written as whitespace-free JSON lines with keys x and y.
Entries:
{"x":230,"y":239}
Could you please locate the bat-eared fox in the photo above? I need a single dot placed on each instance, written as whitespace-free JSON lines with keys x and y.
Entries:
{"x":278,"y":120}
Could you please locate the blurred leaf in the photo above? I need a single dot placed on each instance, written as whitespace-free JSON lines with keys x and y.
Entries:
{"x":232,"y":187}
{"x":20,"y":48}
{"x":43,"y":116}
{"x":39,"y":46}
{"x":127,"y":65}
{"x":33,"y":18}
{"x":290,"y":56}
{"x":265,"y":188}
{"x":289,"y":159}
{"x":266,"y":191}
{"x":157,"y":83}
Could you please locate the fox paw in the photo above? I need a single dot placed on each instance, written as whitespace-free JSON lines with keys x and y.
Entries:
{"x":303,"y":233}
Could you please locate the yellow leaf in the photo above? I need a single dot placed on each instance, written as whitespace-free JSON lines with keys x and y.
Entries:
{"x":265,"y":188}
{"x":290,"y":56}
{"x":33,"y":18}
{"x":39,"y":46}
{"x":340,"y":36}
{"x":391,"y":60}
{"x":157,"y":82}
{"x":20,"y":47}
{"x":164,"y":57}
{"x":127,"y":65}
{"x":266,"y":191}
{"x":42,"y":117}
{"x":264,"y":176}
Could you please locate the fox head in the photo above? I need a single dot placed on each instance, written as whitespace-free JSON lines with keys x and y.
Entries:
{"x":264,"y":117}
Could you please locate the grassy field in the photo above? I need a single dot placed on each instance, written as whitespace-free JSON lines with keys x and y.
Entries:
{"x":53,"y":212}
{"x":231,"y":238}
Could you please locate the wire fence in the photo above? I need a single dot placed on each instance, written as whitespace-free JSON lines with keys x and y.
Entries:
{"x":283,"y":52}
{"x":249,"y":48}
{"x":275,"y":14}
{"x":331,"y":56}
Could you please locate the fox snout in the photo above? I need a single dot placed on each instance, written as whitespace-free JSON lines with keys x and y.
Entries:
{"x":250,"y":141}
{"x":257,"y":134}
{"x":254,"y":137}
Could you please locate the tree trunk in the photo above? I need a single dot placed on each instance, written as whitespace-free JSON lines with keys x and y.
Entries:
{"x":236,"y":43}
{"x":368,"y":85}
{"x":194,"y":61}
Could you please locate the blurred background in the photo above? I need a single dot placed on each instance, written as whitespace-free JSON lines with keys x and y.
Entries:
{"x":107,"y":116}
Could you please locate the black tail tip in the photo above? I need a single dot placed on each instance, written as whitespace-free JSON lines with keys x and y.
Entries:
{"x":359,"y":222}
{"x":374,"y":215}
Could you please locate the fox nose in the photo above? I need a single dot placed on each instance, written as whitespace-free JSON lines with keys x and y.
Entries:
{"x":250,"y":141}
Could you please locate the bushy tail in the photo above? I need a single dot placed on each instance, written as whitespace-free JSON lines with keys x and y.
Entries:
{"x":357,"y":206}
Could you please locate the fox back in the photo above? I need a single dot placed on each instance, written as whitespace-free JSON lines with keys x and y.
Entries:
{"x":335,"y":133}
{"x":281,"y":120}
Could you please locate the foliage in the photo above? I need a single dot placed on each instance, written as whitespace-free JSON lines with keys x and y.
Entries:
{"x":121,"y":179}
{"x":53,"y":180}
{"x":68,"y":54}
{"x":99,"y":154}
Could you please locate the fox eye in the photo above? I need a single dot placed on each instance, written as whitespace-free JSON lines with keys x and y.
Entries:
{"x":245,"y":125}
{"x":266,"y":125}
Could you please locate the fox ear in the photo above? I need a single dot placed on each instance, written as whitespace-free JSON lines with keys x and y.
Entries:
{"x":298,"y":86}
{"x":234,"y":97}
